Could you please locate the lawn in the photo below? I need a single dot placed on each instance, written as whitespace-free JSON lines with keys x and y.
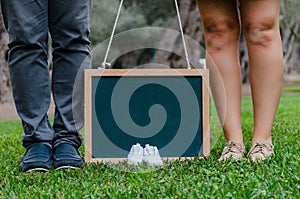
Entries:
{"x":292,"y":89}
{"x":278,"y":177}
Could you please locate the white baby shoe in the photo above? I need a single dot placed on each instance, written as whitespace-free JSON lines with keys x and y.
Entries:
{"x":151,"y":156}
{"x":135,"y":155}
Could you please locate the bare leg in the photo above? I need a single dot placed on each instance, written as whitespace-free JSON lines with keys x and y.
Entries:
{"x":222,"y":31}
{"x":260,"y":24}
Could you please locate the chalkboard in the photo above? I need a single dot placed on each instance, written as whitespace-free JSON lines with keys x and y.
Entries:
{"x":167,"y":108}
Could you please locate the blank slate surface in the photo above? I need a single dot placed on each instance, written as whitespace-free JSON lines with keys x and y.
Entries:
{"x":167,"y":108}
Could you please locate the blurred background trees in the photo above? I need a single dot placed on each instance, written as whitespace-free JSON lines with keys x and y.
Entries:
{"x":135,"y":14}
{"x":161,"y":13}
{"x":5,"y":88}
{"x":290,"y":31}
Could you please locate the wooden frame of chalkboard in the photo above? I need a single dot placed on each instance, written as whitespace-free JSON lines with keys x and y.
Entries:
{"x":91,"y":78}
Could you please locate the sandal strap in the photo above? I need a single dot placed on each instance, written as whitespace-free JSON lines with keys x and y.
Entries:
{"x":233,"y":147}
{"x":266,"y":149}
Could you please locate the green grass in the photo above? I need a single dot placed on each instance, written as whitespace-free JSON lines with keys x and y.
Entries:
{"x":292,"y":89}
{"x":275,"y":178}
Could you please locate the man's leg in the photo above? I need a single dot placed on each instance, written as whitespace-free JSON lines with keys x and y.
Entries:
{"x":69,"y":28}
{"x":27,"y":25}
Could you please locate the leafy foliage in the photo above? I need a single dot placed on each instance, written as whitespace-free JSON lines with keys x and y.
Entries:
{"x":289,"y":12}
{"x":103,"y":18}
{"x":156,"y":12}
{"x":134,"y":14}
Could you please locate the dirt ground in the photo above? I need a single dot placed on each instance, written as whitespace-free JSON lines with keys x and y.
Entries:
{"x":8,"y":110}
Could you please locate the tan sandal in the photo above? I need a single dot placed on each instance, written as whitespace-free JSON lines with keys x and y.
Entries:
{"x":233,"y":150}
{"x":260,"y":151}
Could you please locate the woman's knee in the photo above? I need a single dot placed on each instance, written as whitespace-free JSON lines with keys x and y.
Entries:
{"x":260,"y":32}
{"x":220,"y":32}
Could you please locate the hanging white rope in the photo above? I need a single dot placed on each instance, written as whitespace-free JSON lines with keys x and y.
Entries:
{"x":182,"y":35}
{"x":106,"y":64}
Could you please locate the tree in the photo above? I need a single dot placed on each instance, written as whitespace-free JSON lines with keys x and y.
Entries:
{"x":103,"y":18}
{"x":290,"y":31}
{"x":5,"y":86}
{"x":192,"y":25}
{"x":156,"y":12}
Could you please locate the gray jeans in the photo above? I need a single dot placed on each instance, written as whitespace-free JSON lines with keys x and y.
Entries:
{"x":28,"y":23}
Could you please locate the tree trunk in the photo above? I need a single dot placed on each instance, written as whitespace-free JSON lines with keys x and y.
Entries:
{"x":5,"y":86}
{"x":244,"y":60}
{"x":290,"y":38}
{"x":192,"y":26}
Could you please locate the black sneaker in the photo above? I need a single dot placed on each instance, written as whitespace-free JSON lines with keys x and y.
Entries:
{"x":36,"y":158}
{"x":66,"y":156}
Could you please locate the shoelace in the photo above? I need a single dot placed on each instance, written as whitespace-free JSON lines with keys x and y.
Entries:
{"x":263,"y":148}
{"x":231,"y":147}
